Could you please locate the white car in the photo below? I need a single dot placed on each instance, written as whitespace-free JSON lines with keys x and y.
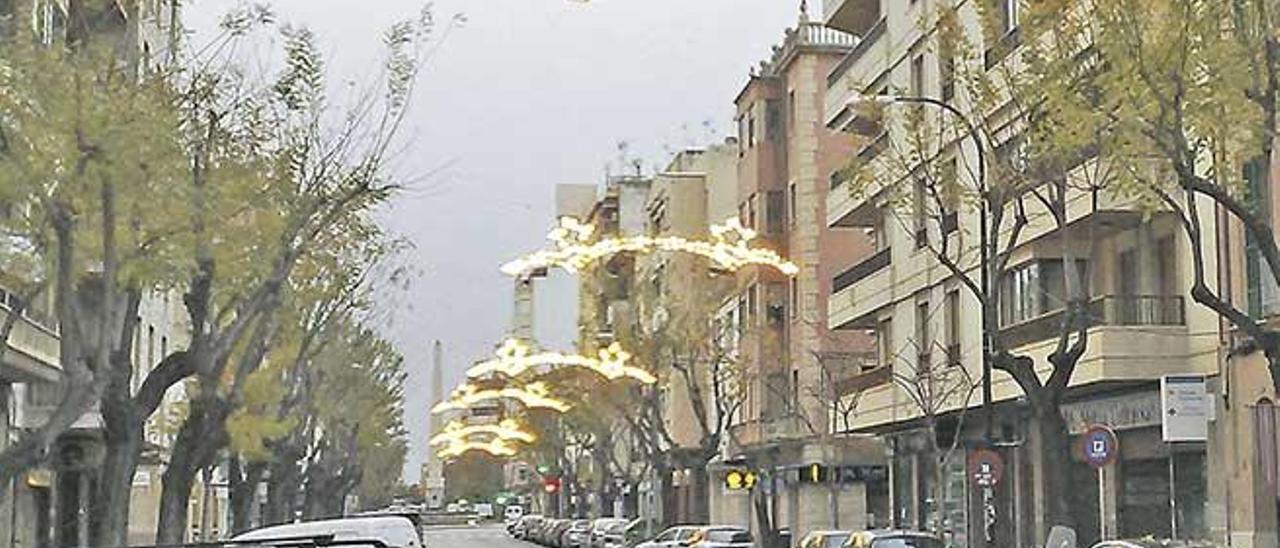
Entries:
{"x":392,"y":531}
{"x":483,"y":510}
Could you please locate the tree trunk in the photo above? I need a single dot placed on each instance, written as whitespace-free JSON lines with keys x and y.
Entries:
{"x":244,"y":480}
{"x":282,"y":491}
{"x":199,"y":439}
{"x":1053,"y":459}
{"x":699,"y":510}
{"x":109,"y":515}
{"x":767,"y":530}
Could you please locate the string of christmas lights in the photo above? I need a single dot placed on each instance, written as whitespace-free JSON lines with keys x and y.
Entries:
{"x":515,"y":357}
{"x":572,"y":249}
{"x":534,"y":395}
{"x":457,"y":432}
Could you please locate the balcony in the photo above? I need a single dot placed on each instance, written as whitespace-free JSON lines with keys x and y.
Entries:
{"x":864,"y":45}
{"x":852,"y":16}
{"x":1111,"y":310}
{"x":859,"y":271}
{"x":860,"y":291}
{"x":865,"y":380}
{"x":33,"y":350}
{"x":848,"y":208}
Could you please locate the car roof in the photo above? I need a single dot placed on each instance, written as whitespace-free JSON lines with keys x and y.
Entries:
{"x":391,"y":530}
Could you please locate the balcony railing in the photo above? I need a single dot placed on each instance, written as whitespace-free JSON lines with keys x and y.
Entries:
{"x":872,"y":378}
{"x":1110,"y":310}
{"x":861,"y":270}
{"x":868,"y":40}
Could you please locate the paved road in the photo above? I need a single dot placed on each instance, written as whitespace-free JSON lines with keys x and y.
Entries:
{"x":471,"y":537}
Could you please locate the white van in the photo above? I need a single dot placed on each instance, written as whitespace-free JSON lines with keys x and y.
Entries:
{"x":380,"y":532}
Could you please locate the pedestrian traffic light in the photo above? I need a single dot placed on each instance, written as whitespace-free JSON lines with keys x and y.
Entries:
{"x":551,"y":484}
{"x":738,"y":480}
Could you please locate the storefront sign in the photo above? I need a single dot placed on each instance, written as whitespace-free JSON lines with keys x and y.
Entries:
{"x":1099,"y":446}
{"x":1184,"y":405}
{"x":1126,"y":412}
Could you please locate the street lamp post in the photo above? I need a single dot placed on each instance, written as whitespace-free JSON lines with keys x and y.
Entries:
{"x":988,"y":415}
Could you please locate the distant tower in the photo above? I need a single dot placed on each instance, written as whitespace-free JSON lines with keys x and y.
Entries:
{"x":522,"y":310}
{"x":433,"y":473}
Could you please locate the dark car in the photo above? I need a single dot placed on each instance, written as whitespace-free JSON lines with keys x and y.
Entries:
{"x":576,"y":535}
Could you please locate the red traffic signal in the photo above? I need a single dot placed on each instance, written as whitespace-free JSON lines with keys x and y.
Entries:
{"x":551,"y":484}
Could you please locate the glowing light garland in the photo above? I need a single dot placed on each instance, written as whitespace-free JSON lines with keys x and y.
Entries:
{"x":507,"y":431}
{"x":515,"y":357}
{"x":531,"y":395}
{"x":573,"y":249}
{"x":495,"y":447}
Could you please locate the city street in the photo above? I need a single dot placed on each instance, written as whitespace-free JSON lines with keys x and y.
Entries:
{"x":491,"y":536}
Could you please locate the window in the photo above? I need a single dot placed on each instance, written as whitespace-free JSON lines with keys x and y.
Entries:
{"x":795,"y":298}
{"x":751,"y":212}
{"x":151,"y":347}
{"x":792,"y":210}
{"x":795,"y":389}
{"x":774,"y":130}
{"x":751,"y":130}
{"x":952,"y":313}
{"x":924,"y":340}
{"x":1036,"y":288}
{"x":917,"y":76}
{"x":751,"y":305}
{"x":775,"y":211}
{"x":884,"y":343}
{"x":918,"y":212}
{"x":1167,"y":266}
{"x":950,"y":181}
{"x":791,"y":108}
{"x":742,"y":134}
{"x":1127,"y":277}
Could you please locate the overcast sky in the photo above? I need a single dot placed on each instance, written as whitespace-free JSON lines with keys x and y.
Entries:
{"x":527,"y":94}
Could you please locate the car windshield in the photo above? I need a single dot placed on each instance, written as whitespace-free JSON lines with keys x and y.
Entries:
{"x":728,"y":536}
{"x":835,"y":541}
{"x":907,"y":541}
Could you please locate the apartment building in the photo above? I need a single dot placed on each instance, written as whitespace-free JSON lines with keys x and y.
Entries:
{"x":791,"y":361}
{"x":1134,"y":269}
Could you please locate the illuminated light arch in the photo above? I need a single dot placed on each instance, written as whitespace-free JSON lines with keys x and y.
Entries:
{"x":572,"y":249}
{"x":515,"y":357}
{"x":495,"y":447}
{"x":533,"y":395}
{"x":507,"y":431}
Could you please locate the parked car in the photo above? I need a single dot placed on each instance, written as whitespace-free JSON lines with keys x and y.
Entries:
{"x":824,"y":539}
{"x":526,"y":526}
{"x":634,"y":534}
{"x":391,"y":531}
{"x":550,"y":535}
{"x":599,"y":527}
{"x":576,"y":535}
{"x":893,"y":539}
{"x":1152,"y":543}
{"x":720,"y":537}
{"x":673,"y":537}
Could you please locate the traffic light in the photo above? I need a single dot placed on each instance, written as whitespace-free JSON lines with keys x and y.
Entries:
{"x":551,"y":484}
{"x":739,"y":480}
{"x":813,"y":473}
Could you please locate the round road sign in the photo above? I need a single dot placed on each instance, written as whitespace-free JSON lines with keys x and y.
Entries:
{"x":1099,"y":446}
{"x":986,"y":467}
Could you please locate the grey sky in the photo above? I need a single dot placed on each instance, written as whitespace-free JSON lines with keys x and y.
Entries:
{"x":525,"y":95}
